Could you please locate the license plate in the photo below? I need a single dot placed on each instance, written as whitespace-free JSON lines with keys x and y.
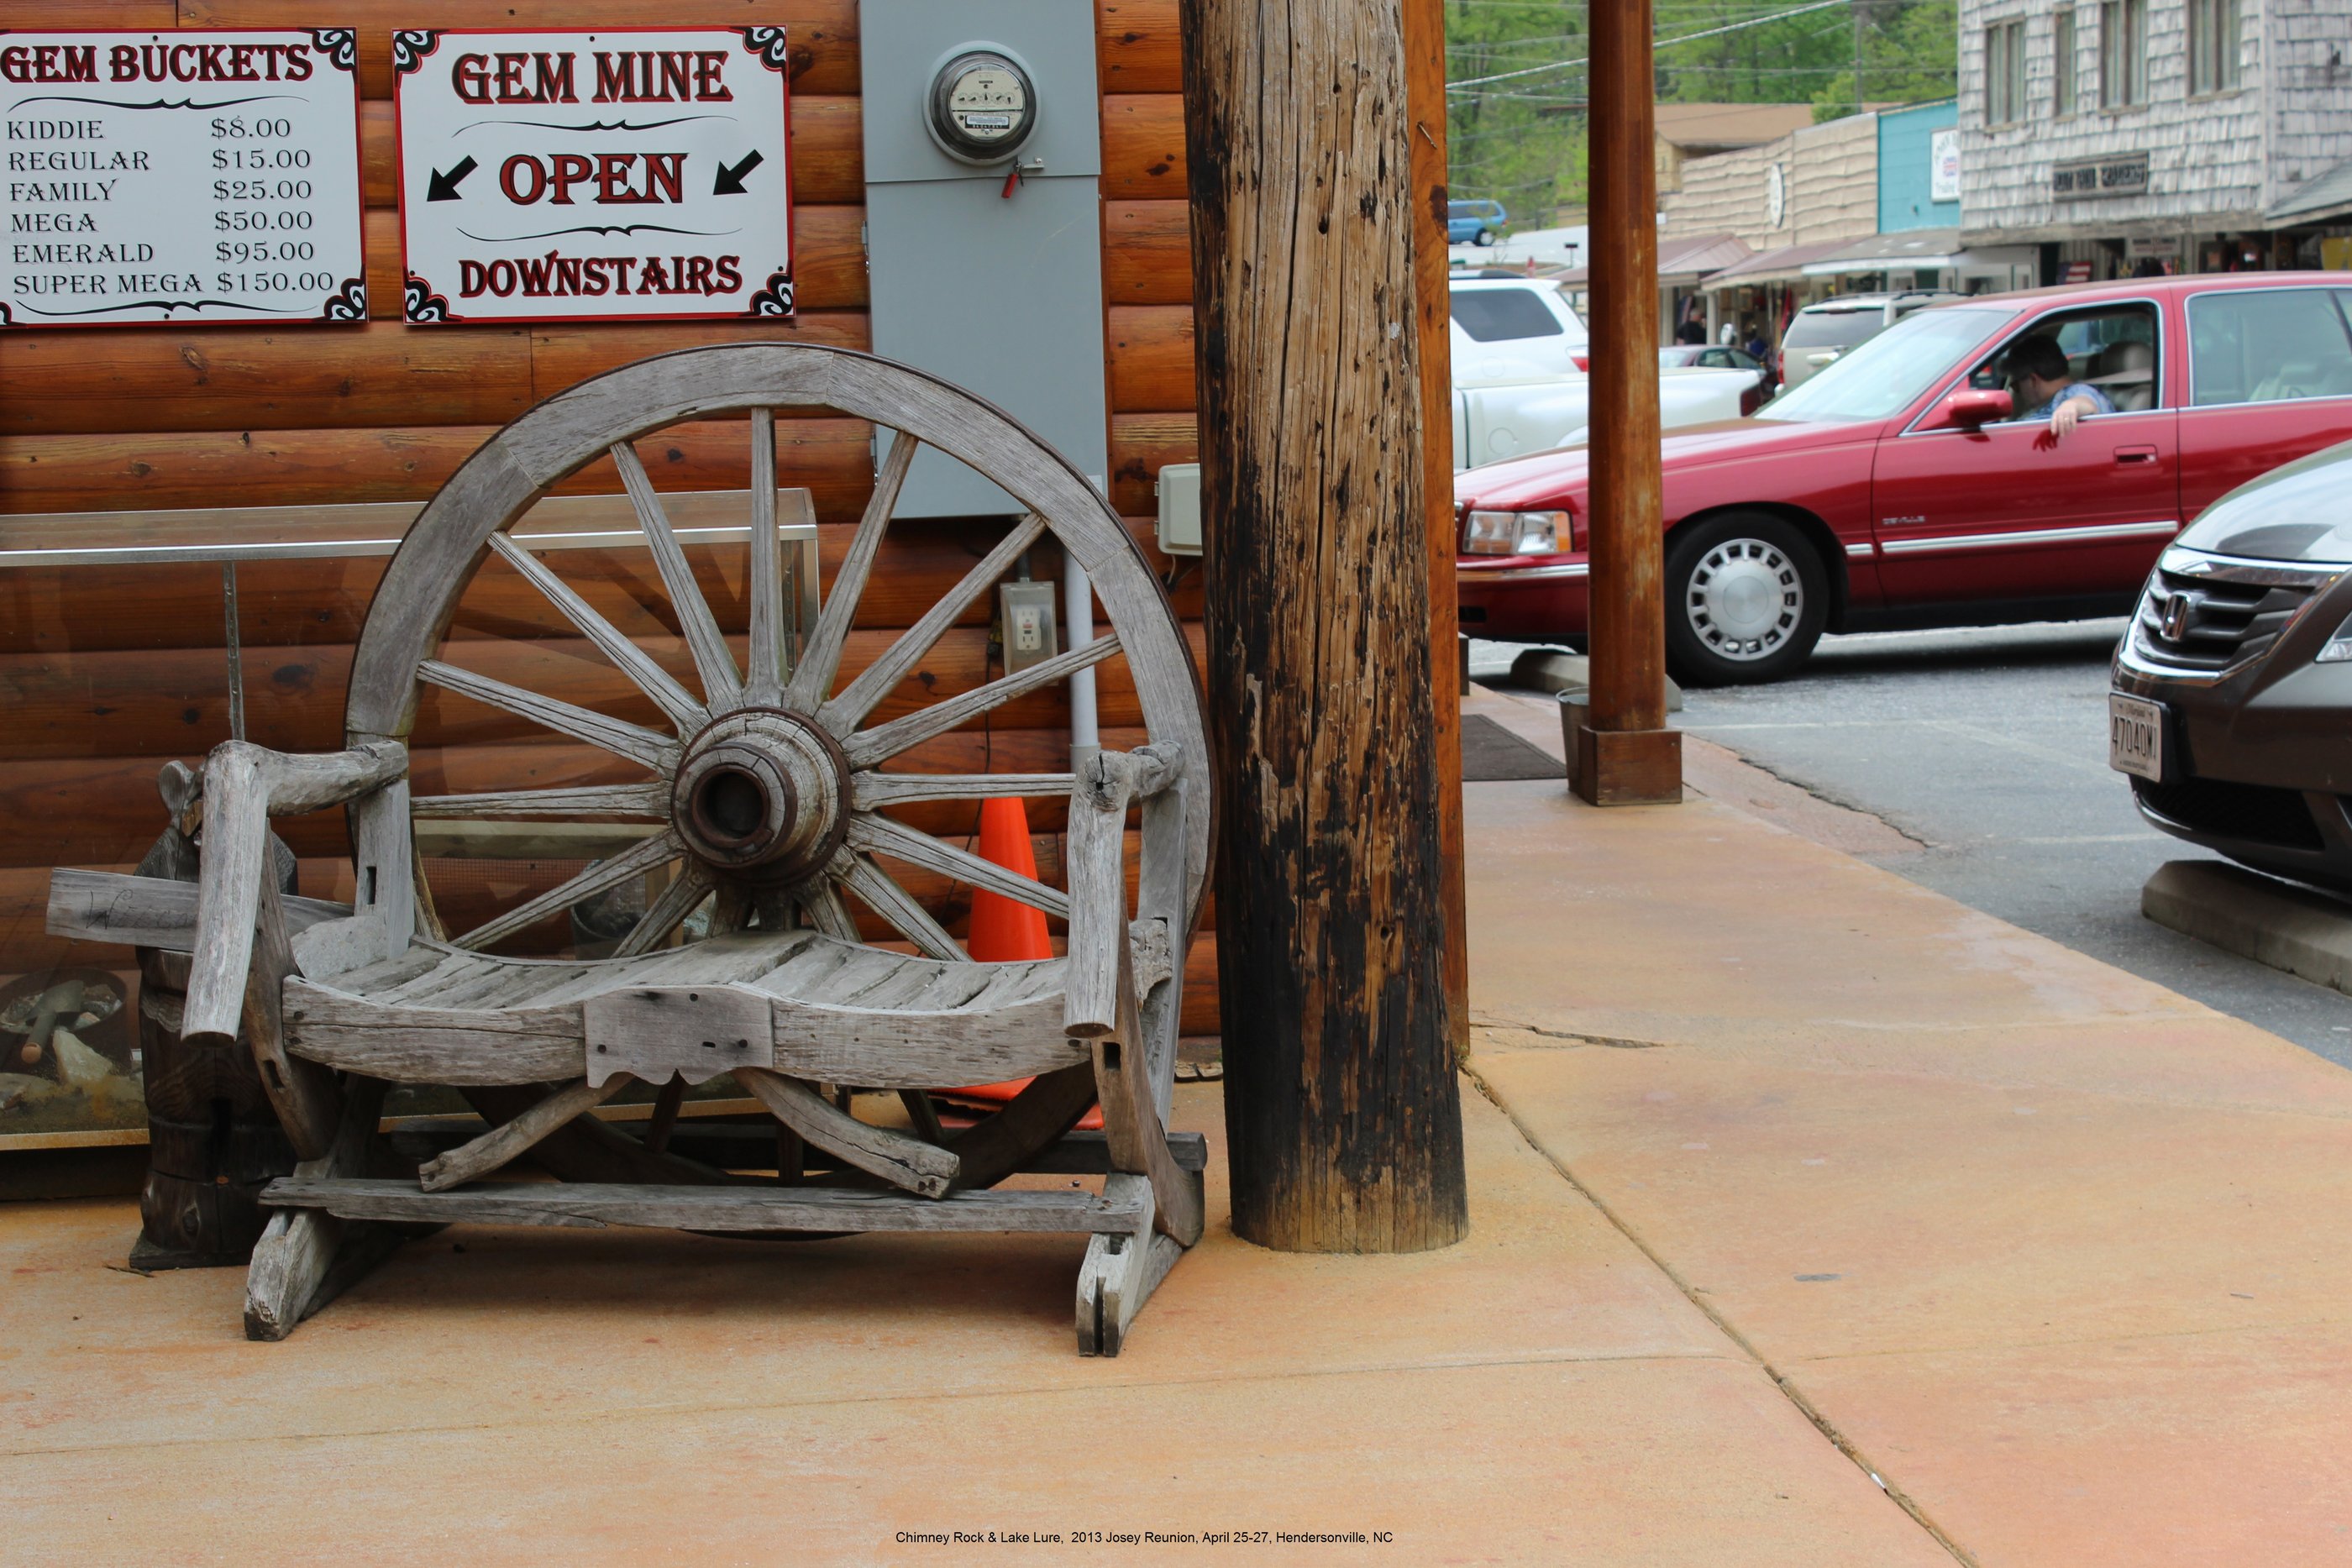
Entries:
{"x":2136,"y":736}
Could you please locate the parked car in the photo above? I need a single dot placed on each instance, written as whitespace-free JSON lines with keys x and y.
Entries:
{"x":1893,"y":489}
{"x":1510,"y":418}
{"x":1520,"y":381}
{"x":1475,"y":223}
{"x":1514,"y":329}
{"x":1692,"y":356}
{"x":2230,"y":704}
{"x":1819,"y":334}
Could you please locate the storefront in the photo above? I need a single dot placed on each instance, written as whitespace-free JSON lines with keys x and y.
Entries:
{"x":2168,"y":147}
{"x":1760,"y":293}
{"x":207,"y":472}
{"x":1786,"y":202}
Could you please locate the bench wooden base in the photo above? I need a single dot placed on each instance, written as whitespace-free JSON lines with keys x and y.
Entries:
{"x":335,"y":1228}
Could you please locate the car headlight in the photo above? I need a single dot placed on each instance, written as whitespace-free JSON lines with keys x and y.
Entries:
{"x":1516,"y":533}
{"x":2340,"y":646}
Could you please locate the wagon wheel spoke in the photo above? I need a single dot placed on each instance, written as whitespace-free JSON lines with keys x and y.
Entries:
{"x":650,"y":855}
{"x":690,"y":887}
{"x":824,"y":909}
{"x":894,"y":903}
{"x":731,"y":910}
{"x":763,"y":677}
{"x":657,"y":683}
{"x":868,"y":791}
{"x":820,"y":658}
{"x":845,"y":712}
{"x":880,"y":835}
{"x":868,"y":747}
{"x":713,"y":661}
{"x":640,"y":801}
{"x":618,"y":737}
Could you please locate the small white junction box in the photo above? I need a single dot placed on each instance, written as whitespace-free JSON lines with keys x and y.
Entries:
{"x":1180,"y":508}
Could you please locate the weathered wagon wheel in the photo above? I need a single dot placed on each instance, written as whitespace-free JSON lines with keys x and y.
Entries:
{"x":764,"y":786}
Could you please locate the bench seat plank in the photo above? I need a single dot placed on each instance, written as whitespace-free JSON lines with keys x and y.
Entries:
{"x":598,"y":1206}
{"x":840,"y":1013}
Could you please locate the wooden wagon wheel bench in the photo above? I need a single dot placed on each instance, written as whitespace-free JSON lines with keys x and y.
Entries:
{"x":763,"y":797}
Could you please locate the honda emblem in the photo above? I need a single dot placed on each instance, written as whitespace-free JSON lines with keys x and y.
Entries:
{"x":2175,"y":619}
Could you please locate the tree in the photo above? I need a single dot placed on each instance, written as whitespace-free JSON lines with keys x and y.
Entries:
{"x":1519,"y":140}
{"x":1910,"y":54}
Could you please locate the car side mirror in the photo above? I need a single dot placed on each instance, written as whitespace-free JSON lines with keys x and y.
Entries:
{"x":1971,"y":407}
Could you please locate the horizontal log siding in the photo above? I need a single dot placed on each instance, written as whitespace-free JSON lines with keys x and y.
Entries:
{"x":107,"y":673}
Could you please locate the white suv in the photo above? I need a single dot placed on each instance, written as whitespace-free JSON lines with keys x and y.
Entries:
{"x":1515,"y":330}
{"x":1820,"y":333}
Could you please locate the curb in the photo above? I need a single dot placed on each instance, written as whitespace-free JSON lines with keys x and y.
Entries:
{"x":2280,"y":924}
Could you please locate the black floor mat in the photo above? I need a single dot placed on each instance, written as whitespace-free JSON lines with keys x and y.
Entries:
{"x":1491,"y":753}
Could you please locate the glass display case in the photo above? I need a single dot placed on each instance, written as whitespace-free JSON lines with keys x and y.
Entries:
{"x":134,"y":641}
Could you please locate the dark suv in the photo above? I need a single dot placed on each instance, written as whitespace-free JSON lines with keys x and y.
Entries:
{"x":1820,"y":333}
{"x":2230,"y":704}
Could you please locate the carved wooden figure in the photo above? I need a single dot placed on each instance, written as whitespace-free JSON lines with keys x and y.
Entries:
{"x":213,"y":1141}
{"x":762,"y":800}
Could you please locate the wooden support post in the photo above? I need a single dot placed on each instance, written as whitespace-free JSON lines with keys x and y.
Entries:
{"x":1341,"y":1106}
{"x":1424,"y":95}
{"x":1621,"y":752}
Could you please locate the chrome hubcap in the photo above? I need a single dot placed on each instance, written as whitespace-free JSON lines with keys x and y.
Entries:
{"x":1745,"y":600}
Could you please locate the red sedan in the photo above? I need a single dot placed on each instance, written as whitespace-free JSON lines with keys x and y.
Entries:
{"x":1905,"y":484}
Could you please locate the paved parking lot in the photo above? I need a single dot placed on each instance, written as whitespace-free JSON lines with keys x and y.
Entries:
{"x":1987,"y":748}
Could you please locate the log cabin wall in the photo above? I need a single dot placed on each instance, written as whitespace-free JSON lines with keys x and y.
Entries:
{"x":106,"y":671}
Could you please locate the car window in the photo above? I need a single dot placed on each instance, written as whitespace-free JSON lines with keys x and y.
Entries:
{"x":2112,"y":347}
{"x":1885,"y":374}
{"x":1496,"y":315}
{"x":1829,"y":328}
{"x":2267,"y":345}
{"x":1715,"y":360}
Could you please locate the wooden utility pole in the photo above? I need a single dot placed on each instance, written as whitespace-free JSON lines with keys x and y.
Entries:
{"x":1622,"y":753}
{"x":1342,"y":1109}
{"x":1425,"y":97}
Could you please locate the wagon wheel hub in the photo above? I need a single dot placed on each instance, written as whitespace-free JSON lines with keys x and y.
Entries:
{"x":762,"y":793}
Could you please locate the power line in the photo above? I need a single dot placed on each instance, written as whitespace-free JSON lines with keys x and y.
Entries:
{"x":1656,"y":43}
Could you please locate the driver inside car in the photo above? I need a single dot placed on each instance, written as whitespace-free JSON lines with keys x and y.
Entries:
{"x":2043,"y":384}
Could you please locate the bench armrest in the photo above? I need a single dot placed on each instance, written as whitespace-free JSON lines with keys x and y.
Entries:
{"x":1100,"y":963}
{"x":244,"y":786}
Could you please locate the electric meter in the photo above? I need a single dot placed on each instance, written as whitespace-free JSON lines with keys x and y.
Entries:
{"x":983,"y":107}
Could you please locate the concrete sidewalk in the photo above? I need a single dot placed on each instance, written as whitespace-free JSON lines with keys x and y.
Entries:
{"x":2055,"y":1253}
{"x":1817,"y":1219}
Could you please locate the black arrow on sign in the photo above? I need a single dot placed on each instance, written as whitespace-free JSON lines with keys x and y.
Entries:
{"x":443,"y":187}
{"x":730,"y":180}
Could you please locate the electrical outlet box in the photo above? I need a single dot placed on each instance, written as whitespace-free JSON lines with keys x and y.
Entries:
{"x":1180,"y":508}
{"x":1028,"y":624}
{"x":984,"y":257}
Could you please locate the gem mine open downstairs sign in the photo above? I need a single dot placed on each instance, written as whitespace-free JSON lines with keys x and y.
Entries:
{"x":627,"y":173}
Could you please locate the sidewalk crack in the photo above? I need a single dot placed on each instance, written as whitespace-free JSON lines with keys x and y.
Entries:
{"x":1613,"y":1041}
{"x":1805,"y":1408}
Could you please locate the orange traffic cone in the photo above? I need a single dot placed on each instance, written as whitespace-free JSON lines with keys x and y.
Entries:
{"x":1004,"y":931}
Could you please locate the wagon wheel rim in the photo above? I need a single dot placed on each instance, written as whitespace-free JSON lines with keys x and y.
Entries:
{"x":770,"y":785}
{"x":767,"y":780}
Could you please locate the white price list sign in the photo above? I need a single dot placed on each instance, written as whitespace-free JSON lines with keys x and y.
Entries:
{"x":627,"y":173}
{"x":208,"y":177}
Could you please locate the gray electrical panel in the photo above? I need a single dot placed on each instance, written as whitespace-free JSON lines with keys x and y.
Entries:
{"x":984,"y":220}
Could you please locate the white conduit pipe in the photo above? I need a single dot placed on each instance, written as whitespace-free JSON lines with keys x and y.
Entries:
{"x":1077,"y":630}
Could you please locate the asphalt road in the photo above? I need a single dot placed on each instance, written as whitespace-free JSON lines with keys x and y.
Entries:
{"x":1989,"y":746}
